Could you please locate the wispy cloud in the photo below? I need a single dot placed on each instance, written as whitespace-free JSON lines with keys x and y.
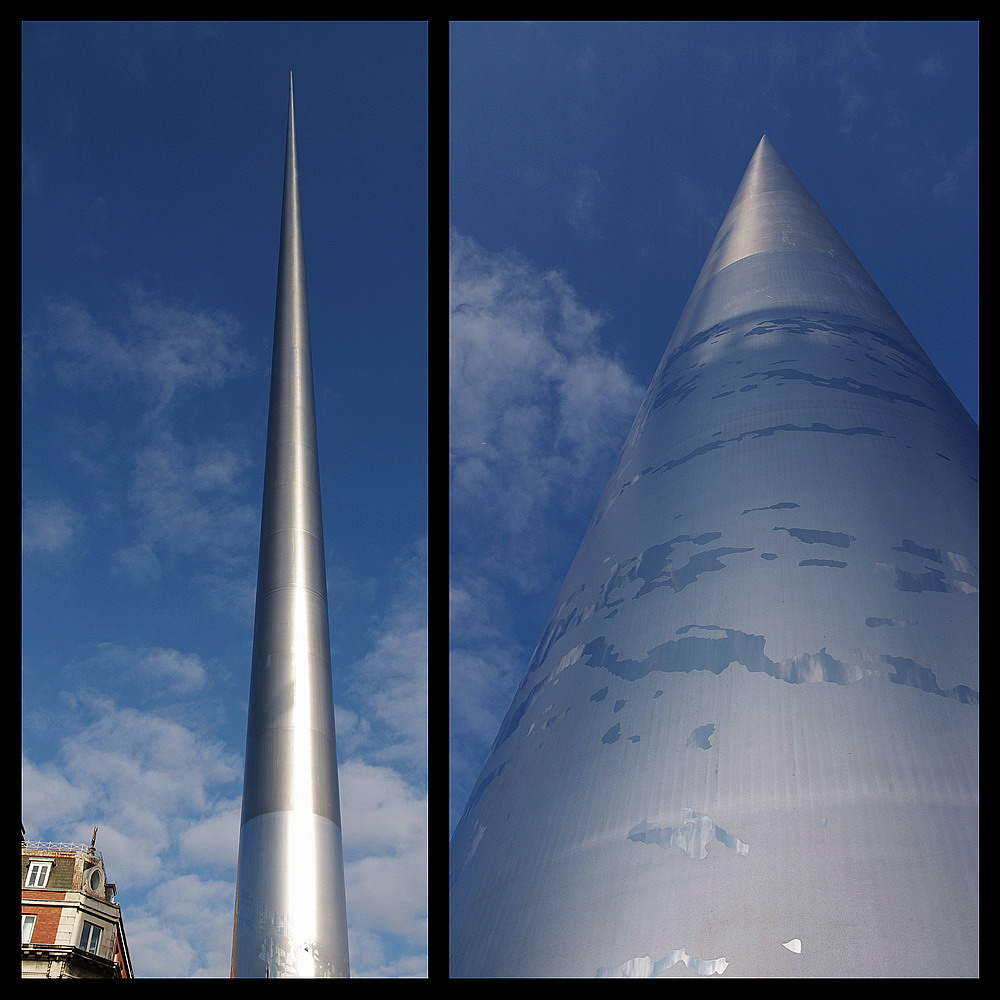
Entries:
{"x":186,"y":923}
{"x":389,"y":684}
{"x":194,"y":498}
{"x":582,"y":203}
{"x":382,"y":745}
{"x":151,"y":672}
{"x":151,"y":346}
{"x":139,"y":563}
{"x":162,"y":794}
{"x":484,"y":668}
{"x":214,"y":839}
{"x":49,"y":526}
{"x":147,"y":487}
{"x":963,"y":169}
{"x":538,"y":412}
{"x":165,"y":793}
{"x":139,"y":776}
{"x":855,"y":62}
{"x":931,"y":66}
{"x":385,"y":848}
{"x":538,"y":409}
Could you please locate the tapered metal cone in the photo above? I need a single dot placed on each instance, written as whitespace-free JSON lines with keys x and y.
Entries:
{"x":746,"y":742}
{"x":291,"y":919}
{"x":771,"y":210}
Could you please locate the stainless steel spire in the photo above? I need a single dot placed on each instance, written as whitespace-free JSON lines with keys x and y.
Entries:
{"x":291,"y":919}
{"x":746,"y":742}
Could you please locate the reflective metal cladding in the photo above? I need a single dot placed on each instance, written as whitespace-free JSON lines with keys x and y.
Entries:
{"x":291,"y":918}
{"x":748,"y":732}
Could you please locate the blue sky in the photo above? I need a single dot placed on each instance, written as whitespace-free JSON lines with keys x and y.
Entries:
{"x":588,"y":166}
{"x":591,"y":164}
{"x":152,"y":169}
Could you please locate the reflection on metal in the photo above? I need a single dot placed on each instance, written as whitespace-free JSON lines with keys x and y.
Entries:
{"x":646,"y":968}
{"x":719,"y":653}
{"x":702,"y":737}
{"x":291,"y":916}
{"x":786,"y":547}
{"x":693,"y":836}
{"x":813,"y":537}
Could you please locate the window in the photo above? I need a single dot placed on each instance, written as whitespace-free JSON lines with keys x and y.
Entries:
{"x":38,"y":874}
{"x":95,"y":880}
{"x":90,"y":939}
{"x":27,"y":926}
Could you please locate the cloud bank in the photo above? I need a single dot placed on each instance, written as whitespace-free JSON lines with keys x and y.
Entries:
{"x":539,"y":410}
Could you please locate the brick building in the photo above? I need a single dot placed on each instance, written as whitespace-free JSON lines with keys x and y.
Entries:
{"x":71,"y":926}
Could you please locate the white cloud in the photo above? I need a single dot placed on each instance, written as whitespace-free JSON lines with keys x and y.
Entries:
{"x":394,"y":890}
{"x":385,"y":847}
{"x":580,"y":213}
{"x":390,"y":682}
{"x":147,"y":671}
{"x":538,"y":413}
{"x":182,"y":673}
{"x":191,"y":498}
{"x":232,"y":596}
{"x":369,"y":959}
{"x":139,"y":777}
{"x":383,"y":814}
{"x":49,"y":526}
{"x":353,"y":731}
{"x":398,"y":666}
{"x":962,"y":168}
{"x":138,"y":563}
{"x":133,"y":850}
{"x":382,"y":747}
{"x":47,"y":797}
{"x":855,"y":61}
{"x":184,"y":930}
{"x":216,"y":838}
{"x":538,"y":410}
{"x":164,"y":795}
{"x":157,"y":949}
{"x":484,"y":668}
{"x":161,"y":795}
{"x":152,"y":346}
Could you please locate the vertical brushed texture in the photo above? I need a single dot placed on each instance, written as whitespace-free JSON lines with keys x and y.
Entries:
{"x":291,"y":917}
{"x":746,"y":743}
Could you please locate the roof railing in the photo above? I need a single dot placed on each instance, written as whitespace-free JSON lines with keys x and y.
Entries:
{"x":44,"y":845}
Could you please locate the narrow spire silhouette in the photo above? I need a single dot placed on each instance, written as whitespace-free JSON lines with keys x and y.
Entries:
{"x":291,"y":919}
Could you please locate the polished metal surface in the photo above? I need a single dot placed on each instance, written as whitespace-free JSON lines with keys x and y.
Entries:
{"x":746,"y":742}
{"x":291,"y":917}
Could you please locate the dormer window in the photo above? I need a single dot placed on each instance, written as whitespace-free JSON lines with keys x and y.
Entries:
{"x":38,"y":874}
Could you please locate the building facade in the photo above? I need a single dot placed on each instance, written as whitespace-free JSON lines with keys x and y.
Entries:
{"x":71,"y":926}
{"x":746,"y":742}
